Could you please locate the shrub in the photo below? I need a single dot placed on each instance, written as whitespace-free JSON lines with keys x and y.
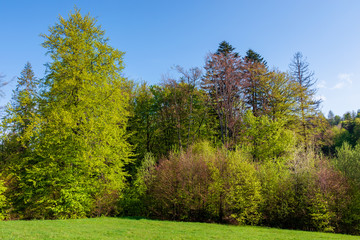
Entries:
{"x":206,"y":184}
{"x":179,"y":189}
{"x":278,"y":191}
{"x":348,"y":162}
{"x":328,"y":197}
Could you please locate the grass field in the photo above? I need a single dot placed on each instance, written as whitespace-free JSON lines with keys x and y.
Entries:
{"x":126,"y":228}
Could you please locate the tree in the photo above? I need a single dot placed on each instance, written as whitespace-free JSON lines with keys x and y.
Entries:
{"x":16,"y":123}
{"x":255,"y":83}
{"x":225,"y":48}
{"x":23,"y":104}
{"x":252,"y":56}
{"x":79,"y":138}
{"x":222,"y":81}
{"x":171,"y":115}
{"x":308,"y":105}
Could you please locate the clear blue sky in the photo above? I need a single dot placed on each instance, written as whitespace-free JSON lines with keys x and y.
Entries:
{"x":157,"y":35}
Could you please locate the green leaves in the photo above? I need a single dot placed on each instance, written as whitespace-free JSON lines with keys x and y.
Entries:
{"x":76,"y":139}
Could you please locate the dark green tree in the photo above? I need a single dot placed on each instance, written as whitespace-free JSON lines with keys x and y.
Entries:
{"x":226,"y":48}
{"x":255,"y":83}
{"x":252,"y":56}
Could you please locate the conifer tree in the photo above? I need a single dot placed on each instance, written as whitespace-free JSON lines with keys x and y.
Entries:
{"x":15,"y":140}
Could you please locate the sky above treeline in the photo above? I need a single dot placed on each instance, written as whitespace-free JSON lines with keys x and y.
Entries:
{"x":157,"y":35}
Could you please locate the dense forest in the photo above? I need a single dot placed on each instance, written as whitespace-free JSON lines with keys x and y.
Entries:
{"x":232,"y":142}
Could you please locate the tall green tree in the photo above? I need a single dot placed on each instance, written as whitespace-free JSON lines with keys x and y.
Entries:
{"x":15,"y":140}
{"x":79,"y":138}
{"x":306,"y":97}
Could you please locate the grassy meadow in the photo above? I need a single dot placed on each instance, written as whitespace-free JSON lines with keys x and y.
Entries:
{"x":130,"y":228}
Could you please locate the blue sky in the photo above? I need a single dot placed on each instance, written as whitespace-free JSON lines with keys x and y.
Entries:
{"x":156,"y":35}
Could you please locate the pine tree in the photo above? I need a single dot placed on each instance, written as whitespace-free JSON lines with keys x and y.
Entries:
{"x":252,"y":56}
{"x":255,"y":83}
{"x":226,"y":48}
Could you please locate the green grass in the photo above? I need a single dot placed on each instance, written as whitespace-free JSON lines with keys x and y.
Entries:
{"x":126,"y":228}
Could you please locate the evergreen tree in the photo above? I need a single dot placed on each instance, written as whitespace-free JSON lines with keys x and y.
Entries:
{"x":15,"y":141}
{"x":252,"y":56}
{"x":23,"y":105}
{"x":255,"y":83}
{"x":226,"y":48}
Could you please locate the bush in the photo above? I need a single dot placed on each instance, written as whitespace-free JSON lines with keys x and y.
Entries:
{"x":305,"y":193}
{"x":348,"y":162}
{"x":279,"y":194}
{"x":205,"y":184}
{"x":328,"y":197}
{"x":235,"y":188}
{"x":179,"y":190}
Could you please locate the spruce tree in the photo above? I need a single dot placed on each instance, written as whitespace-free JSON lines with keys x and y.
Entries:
{"x":15,"y":139}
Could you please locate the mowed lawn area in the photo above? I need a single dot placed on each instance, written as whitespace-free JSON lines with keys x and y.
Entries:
{"x":127,"y":228}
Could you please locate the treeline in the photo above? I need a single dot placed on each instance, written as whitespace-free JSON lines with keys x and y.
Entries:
{"x":236,"y":142}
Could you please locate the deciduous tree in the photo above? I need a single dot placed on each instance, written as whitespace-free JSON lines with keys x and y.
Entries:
{"x":223,"y":80}
{"x":79,"y":138}
{"x":308,"y":104}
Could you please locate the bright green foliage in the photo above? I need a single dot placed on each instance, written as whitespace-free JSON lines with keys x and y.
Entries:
{"x":244,"y":195}
{"x":280,"y":100}
{"x":305,"y":192}
{"x":267,"y":139}
{"x":79,"y":139}
{"x":308,"y":106}
{"x":3,"y":202}
{"x":144,"y":173}
{"x":280,"y":200}
{"x":17,"y":135}
{"x":19,"y":114}
{"x":348,"y":161}
{"x":320,"y":215}
{"x":23,"y":105}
